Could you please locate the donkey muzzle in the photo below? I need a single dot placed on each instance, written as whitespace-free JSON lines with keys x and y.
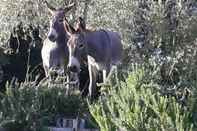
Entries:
{"x":73,"y":69}
{"x":52,"y":38}
{"x":74,"y":65}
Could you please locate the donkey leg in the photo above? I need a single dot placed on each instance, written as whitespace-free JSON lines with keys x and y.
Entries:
{"x":104,"y":76}
{"x":67,"y":80}
{"x":105,"y":73}
{"x":93,"y":79}
{"x":46,"y":70}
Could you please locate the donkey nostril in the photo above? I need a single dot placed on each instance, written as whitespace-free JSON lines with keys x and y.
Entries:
{"x":51,"y":38}
{"x":72,"y":68}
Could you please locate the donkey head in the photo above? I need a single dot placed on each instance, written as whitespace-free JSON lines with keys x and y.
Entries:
{"x":77,"y":46}
{"x":56,"y":23}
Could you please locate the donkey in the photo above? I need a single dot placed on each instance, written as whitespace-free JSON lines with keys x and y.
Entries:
{"x":99,"y":49}
{"x":54,"y":51}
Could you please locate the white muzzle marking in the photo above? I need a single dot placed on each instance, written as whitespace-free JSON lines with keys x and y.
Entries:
{"x":74,"y":62}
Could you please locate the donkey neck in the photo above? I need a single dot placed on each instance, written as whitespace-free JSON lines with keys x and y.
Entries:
{"x":91,"y":46}
{"x":62,"y":39}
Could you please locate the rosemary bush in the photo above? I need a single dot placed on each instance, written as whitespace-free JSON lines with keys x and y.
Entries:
{"x":136,"y":106}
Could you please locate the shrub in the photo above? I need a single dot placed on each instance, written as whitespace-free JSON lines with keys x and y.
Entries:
{"x":135,"y":106}
{"x":29,"y":107}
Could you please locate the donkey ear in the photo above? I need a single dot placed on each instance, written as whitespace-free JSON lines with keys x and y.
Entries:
{"x":81,"y":25}
{"x":69,"y":29}
{"x":70,"y":6}
{"x":50,"y":7}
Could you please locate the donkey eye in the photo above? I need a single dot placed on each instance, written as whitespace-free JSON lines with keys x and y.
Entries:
{"x":81,"y":46}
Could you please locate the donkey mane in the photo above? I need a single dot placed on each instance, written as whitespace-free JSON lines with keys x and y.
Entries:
{"x":86,"y":30}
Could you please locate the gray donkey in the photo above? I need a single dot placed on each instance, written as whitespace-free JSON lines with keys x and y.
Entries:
{"x":99,"y":49}
{"x":54,"y":51}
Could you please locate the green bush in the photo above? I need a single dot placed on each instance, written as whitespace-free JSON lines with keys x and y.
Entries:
{"x":135,"y":106}
{"x":30,"y":107}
